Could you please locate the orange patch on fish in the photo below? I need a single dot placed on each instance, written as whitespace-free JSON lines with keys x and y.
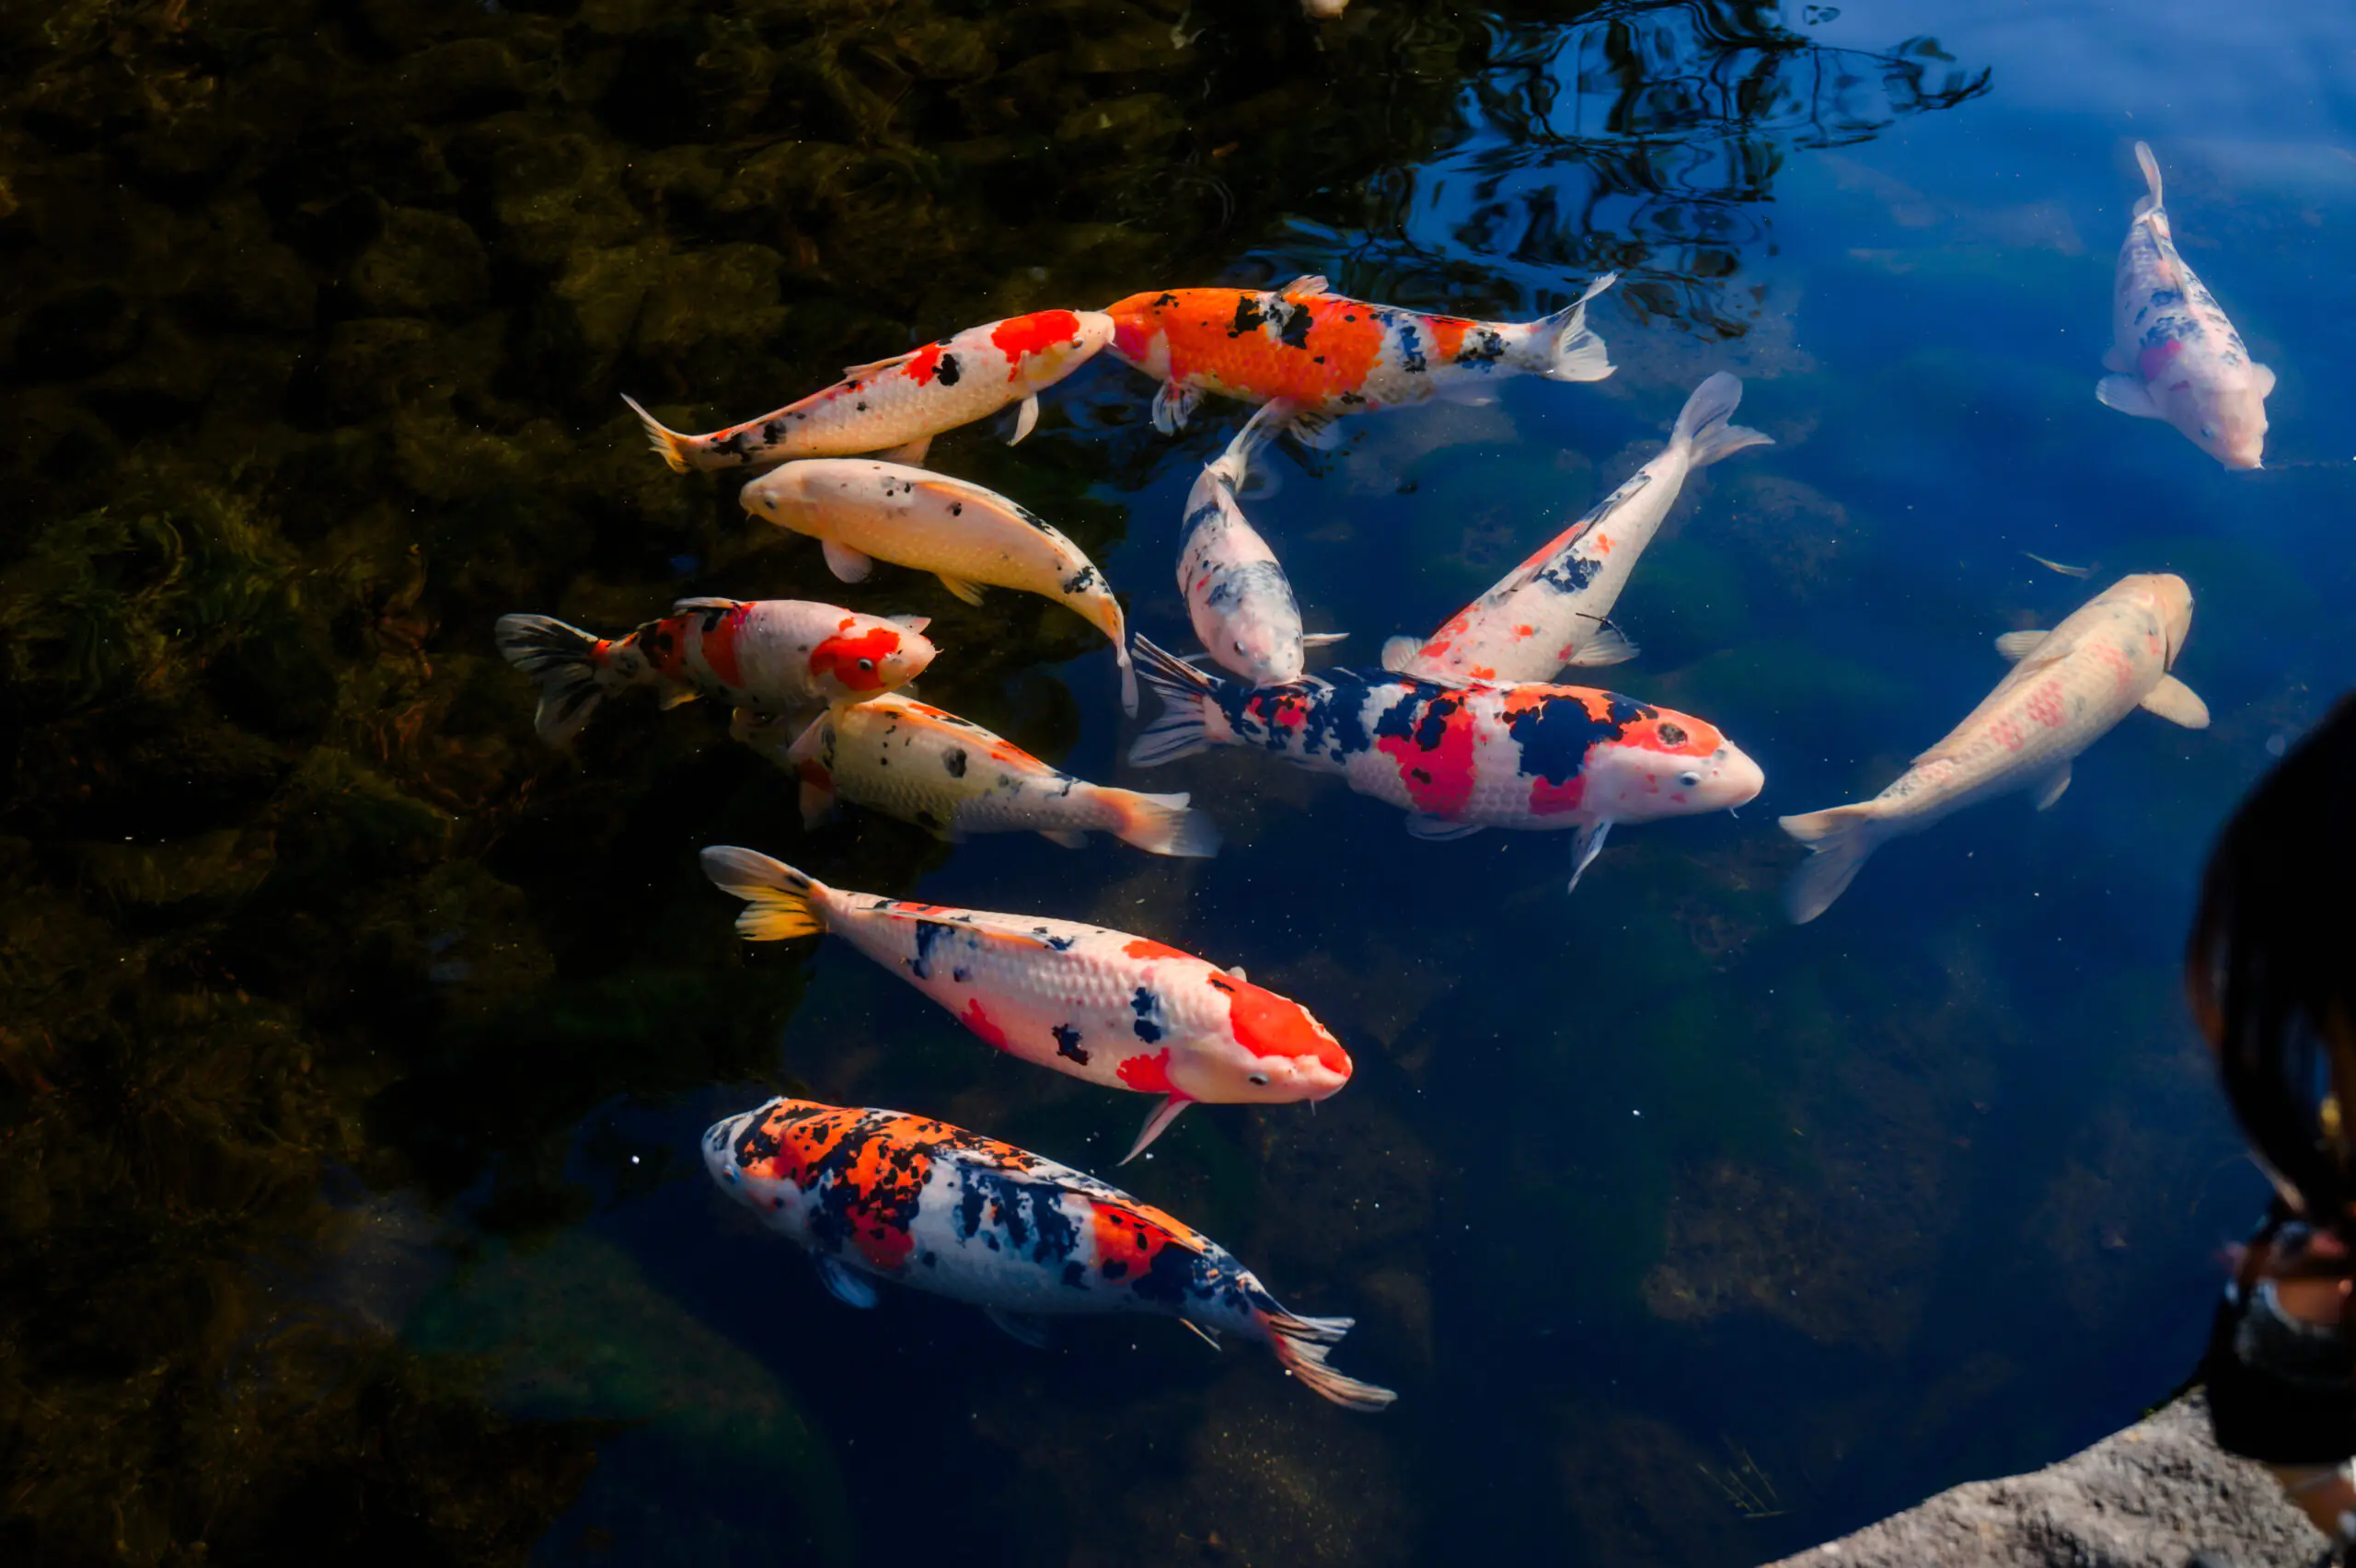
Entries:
{"x":1268,"y":1025}
{"x":1151,"y":1074}
{"x":982,"y":1024}
{"x":1042,"y":329}
{"x":840,"y":656}
{"x":1438,"y":776}
{"x":1145,"y":947}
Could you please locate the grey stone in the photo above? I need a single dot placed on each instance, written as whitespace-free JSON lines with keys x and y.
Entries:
{"x":2159,"y":1494}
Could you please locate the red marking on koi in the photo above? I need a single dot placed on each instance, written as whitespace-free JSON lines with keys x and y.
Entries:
{"x":981,"y":1023}
{"x":1149,"y":1074}
{"x":1446,"y":769}
{"x":1145,"y":947}
{"x":1019,"y":336}
{"x":839,"y":657}
{"x":2045,"y":705}
{"x":926,"y":364}
{"x":1268,"y":1025}
{"x":1554,"y":800}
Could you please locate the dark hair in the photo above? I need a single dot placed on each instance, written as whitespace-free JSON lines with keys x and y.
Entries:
{"x":2271,"y":969}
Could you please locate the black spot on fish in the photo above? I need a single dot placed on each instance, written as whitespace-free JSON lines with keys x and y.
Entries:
{"x":1114,"y":1268}
{"x":948,"y":370}
{"x":955,"y":763}
{"x":1080,"y":582}
{"x":1075,"y":1276}
{"x":1294,"y":332}
{"x":1483,"y":347}
{"x":1671,"y":734}
{"x":862,"y":408}
{"x":1248,"y":315}
{"x":773,"y":431}
{"x":961,"y":975}
{"x":1068,"y":1044}
{"x":928,"y":935}
{"x":1554,"y":735}
{"x":1147,"y":1005}
{"x":956,"y":509}
{"x":1411,"y":349}
{"x":1163,"y":302}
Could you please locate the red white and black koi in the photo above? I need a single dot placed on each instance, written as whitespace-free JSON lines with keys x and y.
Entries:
{"x":2174,"y":355}
{"x":898,"y":405}
{"x":771,"y":656}
{"x":1119,"y":1010}
{"x":1555,"y":609}
{"x":1328,"y":355}
{"x":1242,"y":605}
{"x":951,"y":776}
{"x":1462,"y":758}
{"x":881,"y":1194}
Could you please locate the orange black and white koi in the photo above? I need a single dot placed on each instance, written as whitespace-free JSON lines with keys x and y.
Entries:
{"x":2109,"y":657}
{"x":881,"y":1194}
{"x":766,"y":656}
{"x":899,"y":404}
{"x":1328,"y":355}
{"x":858,"y":508}
{"x":1242,"y":605}
{"x":1119,"y":1010}
{"x":1555,"y":609}
{"x":2174,"y":355}
{"x":951,"y":776}
{"x":1462,"y":758}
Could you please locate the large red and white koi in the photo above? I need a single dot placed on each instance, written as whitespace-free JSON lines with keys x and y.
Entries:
{"x":881,"y":1195}
{"x":1462,"y":758}
{"x":1119,"y":1010}
{"x":900,"y":404}
{"x":769,"y":656}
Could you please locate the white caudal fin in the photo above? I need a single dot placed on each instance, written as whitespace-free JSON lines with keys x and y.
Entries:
{"x":663,"y":439}
{"x":1163,"y":824}
{"x":1302,"y":1344}
{"x":779,"y":902}
{"x":1234,"y":465}
{"x":1567,"y":350}
{"x":1185,"y":693}
{"x":562,"y":660}
{"x":1702,"y":423}
{"x":2149,"y":205}
{"x":1841,"y":838}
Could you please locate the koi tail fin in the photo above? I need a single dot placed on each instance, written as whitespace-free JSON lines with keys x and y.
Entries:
{"x":1302,"y":1344}
{"x":779,"y":902}
{"x":1840,"y":838}
{"x":673,"y":447}
{"x":1163,"y":824}
{"x":1186,"y":695}
{"x":1234,"y":465}
{"x":1566,"y":350}
{"x":1128,"y":676}
{"x":563,"y":660}
{"x":1702,"y":423}
{"x":2146,"y":206}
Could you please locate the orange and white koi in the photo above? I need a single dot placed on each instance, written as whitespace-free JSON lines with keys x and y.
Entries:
{"x":1119,"y":1010}
{"x":1555,"y":609}
{"x":2069,"y":687}
{"x":951,"y":776}
{"x":1462,"y":758}
{"x":881,"y":1194}
{"x":1237,"y":596}
{"x":858,"y":508}
{"x":767,"y":655}
{"x":1329,"y":355}
{"x":2174,"y":356}
{"x":899,"y":404}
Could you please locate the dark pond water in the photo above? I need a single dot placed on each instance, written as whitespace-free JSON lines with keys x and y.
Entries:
{"x":354,"y":1044}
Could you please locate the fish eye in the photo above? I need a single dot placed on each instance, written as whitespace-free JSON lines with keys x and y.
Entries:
{"x":867,"y":666}
{"x":2208,"y":432}
{"x":1689,"y":779}
{"x":1260,"y":1080}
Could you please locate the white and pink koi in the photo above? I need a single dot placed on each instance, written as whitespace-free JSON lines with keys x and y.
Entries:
{"x":772,"y":656}
{"x":881,"y":1195}
{"x":1242,"y":605}
{"x":2173,"y":355}
{"x":1555,"y":609}
{"x":1119,"y":1010}
{"x":951,"y":776}
{"x":899,"y":404}
{"x":1462,"y":757}
{"x":2070,"y":686}
{"x":858,"y":508}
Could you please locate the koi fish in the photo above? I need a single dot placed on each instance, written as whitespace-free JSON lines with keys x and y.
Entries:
{"x":768,"y":656}
{"x":1555,"y":609}
{"x":1459,"y":758}
{"x":859,"y":508}
{"x":951,"y":776}
{"x":2174,"y":356}
{"x":898,"y":405}
{"x":1243,"y":610}
{"x":881,"y":1194}
{"x":1103,"y":1005}
{"x":1329,"y":355}
{"x":2067,"y":688}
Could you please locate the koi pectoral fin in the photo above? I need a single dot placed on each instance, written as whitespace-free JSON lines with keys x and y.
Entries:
{"x":1440,"y":830}
{"x":844,"y":1285}
{"x":848,"y":564}
{"x":1586,"y":844}
{"x":1173,"y":406}
{"x":1156,"y":1124}
{"x":1321,"y":639}
{"x":2128,"y":396}
{"x":1025,"y":420}
{"x":2049,"y":791}
{"x":910,"y":453}
{"x":2177,"y":703}
{"x":1023,"y":1328}
{"x":969,"y":591}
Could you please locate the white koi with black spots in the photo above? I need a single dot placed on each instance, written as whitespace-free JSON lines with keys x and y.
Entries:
{"x":951,"y":776}
{"x":1119,"y":1010}
{"x":881,"y":1194}
{"x":1236,"y":592}
{"x":900,"y":404}
{"x":2069,"y":687}
{"x":1555,"y":609}
{"x":2174,"y":356}
{"x":858,"y":508}
{"x":1462,"y":757}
